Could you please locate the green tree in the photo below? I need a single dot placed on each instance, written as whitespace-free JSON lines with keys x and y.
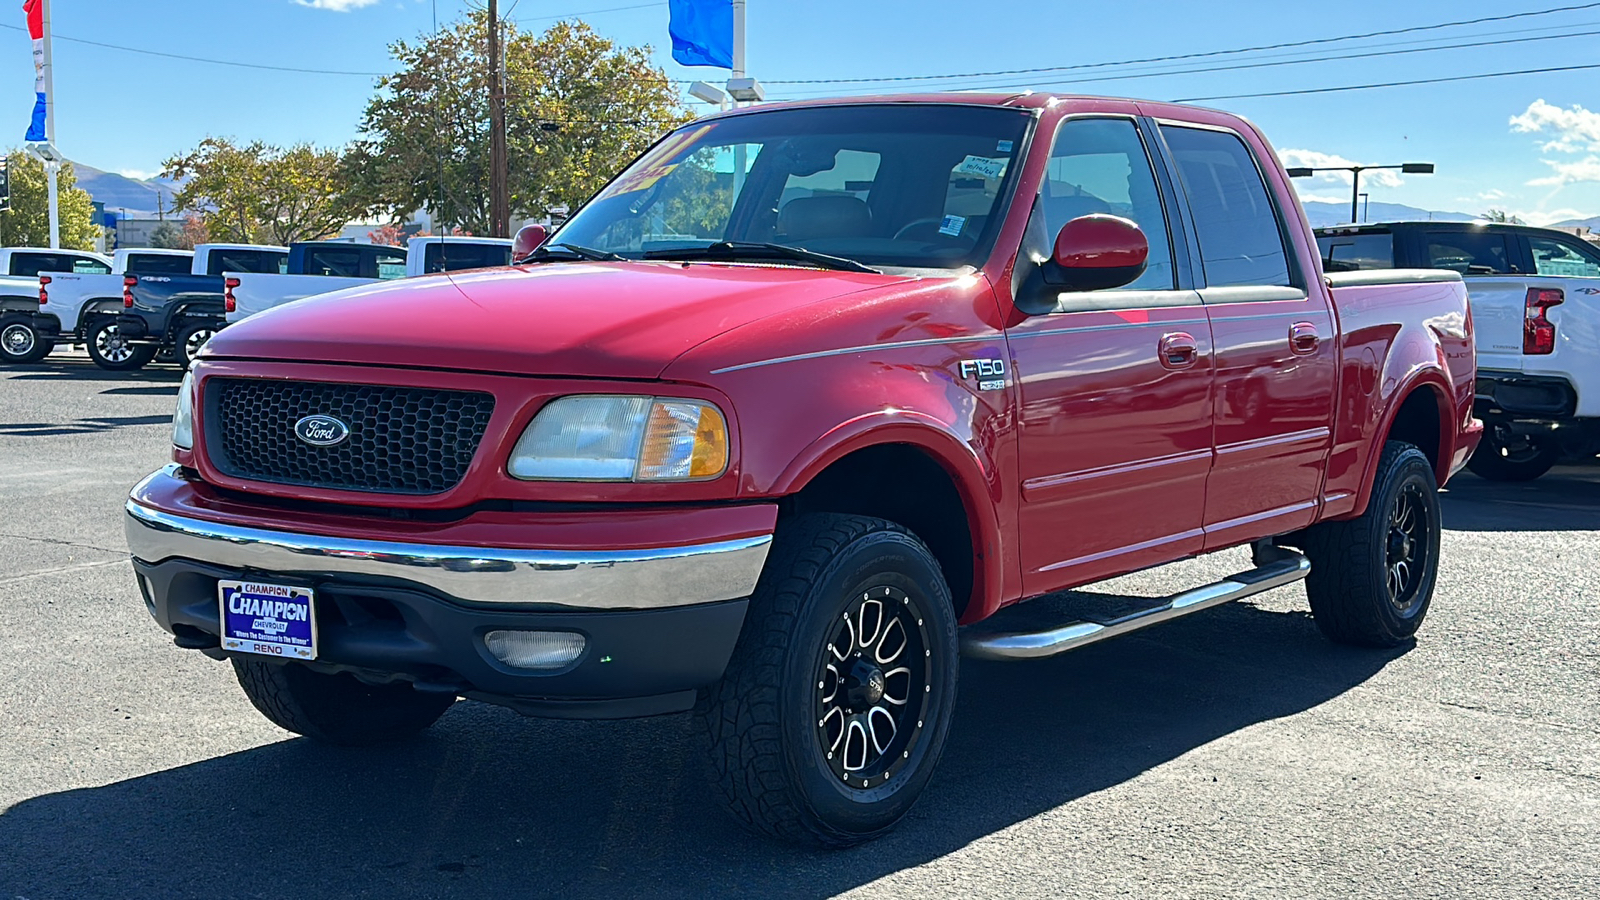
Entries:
{"x":1499,"y":215}
{"x":578,"y":109}
{"x":167,"y":236}
{"x":258,"y":192}
{"x":27,"y":223}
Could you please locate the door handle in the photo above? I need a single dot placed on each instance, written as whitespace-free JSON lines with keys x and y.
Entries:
{"x":1179,"y":350}
{"x":1303,"y":337}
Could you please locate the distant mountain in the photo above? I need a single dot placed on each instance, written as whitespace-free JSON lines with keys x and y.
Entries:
{"x":1592,"y":223}
{"x":128,"y":196}
{"x":1324,"y":214}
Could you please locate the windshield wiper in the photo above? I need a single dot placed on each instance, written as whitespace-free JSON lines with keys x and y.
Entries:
{"x":572,"y":251}
{"x":733,"y":250}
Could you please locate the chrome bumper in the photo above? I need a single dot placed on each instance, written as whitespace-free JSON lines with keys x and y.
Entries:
{"x":533,"y":579}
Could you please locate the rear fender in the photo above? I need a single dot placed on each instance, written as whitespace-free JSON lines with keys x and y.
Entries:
{"x":975,"y":479}
{"x":1434,"y":381}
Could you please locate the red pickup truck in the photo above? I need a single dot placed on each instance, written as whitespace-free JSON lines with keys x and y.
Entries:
{"x":781,"y":423}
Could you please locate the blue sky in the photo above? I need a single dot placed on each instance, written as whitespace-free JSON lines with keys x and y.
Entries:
{"x":1529,"y":144}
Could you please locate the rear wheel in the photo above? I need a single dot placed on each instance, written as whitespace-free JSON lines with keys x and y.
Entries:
{"x":191,"y":338}
{"x":835,"y":706}
{"x":1505,"y":456}
{"x":20,"y":342}
{"x":337,"y":709}
{"x":1372,"y":577}
{"x":111,"y":351}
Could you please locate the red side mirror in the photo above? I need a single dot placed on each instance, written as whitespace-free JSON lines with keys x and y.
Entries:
{"x":528,"y":239}
{"x":1102,"y":242}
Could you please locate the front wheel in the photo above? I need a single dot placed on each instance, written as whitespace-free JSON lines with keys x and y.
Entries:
{"x":190,"y":339}
{"x":1505,"y":456}
{"x":20,"y":342}
{"x":337,"y":709}
{"x":1372,"y":577}
{"x":110,"y":350}
{"x":834,"y":709}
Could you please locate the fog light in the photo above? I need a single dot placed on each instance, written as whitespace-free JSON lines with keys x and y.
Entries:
{"x":534,"y":649}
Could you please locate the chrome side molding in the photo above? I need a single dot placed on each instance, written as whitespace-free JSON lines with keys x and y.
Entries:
{"x":1287,"y":569}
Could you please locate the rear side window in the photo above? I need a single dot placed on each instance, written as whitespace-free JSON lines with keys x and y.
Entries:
{"x":1240,"y":240}
{"x":258,"y":262}
{"x":1470,"y":252}
{"x":448,"y":256}
{"x":1100,"y":166}
{"x":158,"y":264}
{"x":1563,"y":258}
{"x":1353,"y":252}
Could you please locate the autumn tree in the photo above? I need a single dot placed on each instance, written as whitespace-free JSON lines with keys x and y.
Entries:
{"x":261,"y":193}
{"x":579,"y":108}
{"x":27,"y":223}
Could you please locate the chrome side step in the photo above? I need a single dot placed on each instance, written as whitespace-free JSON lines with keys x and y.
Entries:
{"x":1291,"y":567}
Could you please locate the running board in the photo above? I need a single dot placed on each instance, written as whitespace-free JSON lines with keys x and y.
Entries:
{"x":1290,"y":568}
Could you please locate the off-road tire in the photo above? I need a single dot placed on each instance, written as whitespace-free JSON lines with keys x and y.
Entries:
{"x":138,"y":355}
{"x":180,"y":351}
{"x":21,"y":343}
{"x":759,"y":722}
{"x":1349,"y":585}
{"x":1494,"y":461}
{"x":337,"y":709}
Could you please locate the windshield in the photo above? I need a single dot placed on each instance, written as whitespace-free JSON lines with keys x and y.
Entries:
{"x":903,"y":185}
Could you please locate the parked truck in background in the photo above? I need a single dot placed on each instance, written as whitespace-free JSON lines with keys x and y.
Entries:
{"x":779,"y":449}
{"x":68,"y":301}
{"x":1535,"y":296}
{"x":324,"y":266}
{"x":177,"y":313}
{"x":25,"y":337}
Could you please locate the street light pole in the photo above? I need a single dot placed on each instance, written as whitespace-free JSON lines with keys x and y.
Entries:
{"x":1355,"y":177}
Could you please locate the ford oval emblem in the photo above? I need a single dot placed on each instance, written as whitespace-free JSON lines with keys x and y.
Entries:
{"x":321,"y":431}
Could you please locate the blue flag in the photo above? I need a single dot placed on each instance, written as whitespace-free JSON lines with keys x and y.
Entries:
{"x":702,"y":32}
{"x":36,"y":125}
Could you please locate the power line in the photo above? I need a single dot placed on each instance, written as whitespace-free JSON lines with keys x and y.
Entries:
{"x":591,"y":12}
{"x":1184,"y":56}
{"x":200,"y":59}
{"x":1388,"y":84}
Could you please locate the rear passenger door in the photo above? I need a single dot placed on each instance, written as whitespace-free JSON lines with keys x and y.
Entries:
{"x":1115,"y":420}
{"x":1275,"y":345}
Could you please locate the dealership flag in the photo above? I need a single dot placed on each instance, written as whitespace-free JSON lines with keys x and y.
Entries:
{"x":702,"y":32}
{"x":35,"y":11}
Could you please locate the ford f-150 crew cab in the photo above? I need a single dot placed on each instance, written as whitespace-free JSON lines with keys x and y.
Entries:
{"x":779,"y":445}
{"x":1534,"y":301}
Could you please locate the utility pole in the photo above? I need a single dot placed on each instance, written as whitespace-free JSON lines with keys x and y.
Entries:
{"x":499,"y":193}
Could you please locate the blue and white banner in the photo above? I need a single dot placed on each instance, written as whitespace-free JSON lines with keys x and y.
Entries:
{"x":35,"y":11}
{"x":702,"y":32}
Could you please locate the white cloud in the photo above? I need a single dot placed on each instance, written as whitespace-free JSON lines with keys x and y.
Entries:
{"x":336,"y":5}
{"x":1586,"y":169}
{"x":1493,"y":194}
{"x":1574,"y":129}
{"x":1318,"y":160}
{"x":1308,"y":196}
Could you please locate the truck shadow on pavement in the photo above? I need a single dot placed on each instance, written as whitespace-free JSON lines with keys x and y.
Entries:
{"x":489,"y":804}
{"x":1566,"y":499}
{"x":81,"y":369}
{"x":79,"y":426}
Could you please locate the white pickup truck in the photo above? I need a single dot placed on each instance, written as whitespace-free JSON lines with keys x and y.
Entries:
{"x":321,"y":267}
{"x":25,"y":335}
{"x":1535,"y":298}
{"x":69,"y":299}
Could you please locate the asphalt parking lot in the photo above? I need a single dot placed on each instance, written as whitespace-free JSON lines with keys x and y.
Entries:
{"x":1234,"y":753}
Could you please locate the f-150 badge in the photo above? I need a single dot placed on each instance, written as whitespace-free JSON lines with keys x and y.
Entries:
{"x":990,"y":373}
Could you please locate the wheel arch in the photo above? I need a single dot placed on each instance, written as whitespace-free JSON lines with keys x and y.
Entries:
{"x":1420,"y":414}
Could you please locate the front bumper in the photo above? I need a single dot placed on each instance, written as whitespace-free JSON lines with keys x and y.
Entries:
{"x":658,"y":622}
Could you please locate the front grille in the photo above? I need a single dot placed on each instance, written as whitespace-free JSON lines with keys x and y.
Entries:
{"x":401,"y":440}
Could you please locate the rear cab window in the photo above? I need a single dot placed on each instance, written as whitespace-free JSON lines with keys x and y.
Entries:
{"x":158,"y":264}
{"x":450,"y":256}
{"x":248,"y":261}
{"x":1357,"y":251}
{"x":1236,"y":223}
{"x":338,"y":262}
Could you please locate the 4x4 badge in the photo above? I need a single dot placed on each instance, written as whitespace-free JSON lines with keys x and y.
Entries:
{"x":321,"y":431}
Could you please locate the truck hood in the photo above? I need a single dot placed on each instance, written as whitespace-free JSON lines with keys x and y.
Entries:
{"x":591,"y":319}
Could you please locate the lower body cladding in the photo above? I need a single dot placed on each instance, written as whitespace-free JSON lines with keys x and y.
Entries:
{"x":432,"y":616}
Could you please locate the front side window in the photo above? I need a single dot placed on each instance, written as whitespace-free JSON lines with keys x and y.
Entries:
{"x":1470,"y":252}
{"x":390,"y":264}
{"x":1563,"y":258}
{"x":1240,"y":240}
{"x":1354,"y":252}
{"x":902,"y":185}
{"x":84,"y":265}
{"x":1100,"y":166}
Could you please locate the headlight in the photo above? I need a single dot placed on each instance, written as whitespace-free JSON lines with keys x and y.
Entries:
{"x":600,"y":438}
{"x":183,"y":419}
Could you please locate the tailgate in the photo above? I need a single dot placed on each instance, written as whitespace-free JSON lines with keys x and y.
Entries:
{"x":1499,"y":305}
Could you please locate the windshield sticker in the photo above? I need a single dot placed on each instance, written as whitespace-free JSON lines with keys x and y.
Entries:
{"x":983,"y":165}
{"x":952,"y":225}
{"x":661,"y":161}
{"x":643,"y":180}
{"x":1004,"y":147}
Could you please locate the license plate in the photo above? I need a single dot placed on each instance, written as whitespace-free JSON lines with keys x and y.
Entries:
{"x":268,"y":619}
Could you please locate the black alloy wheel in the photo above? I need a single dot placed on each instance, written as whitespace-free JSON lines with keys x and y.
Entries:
{"x":1407,"y":550}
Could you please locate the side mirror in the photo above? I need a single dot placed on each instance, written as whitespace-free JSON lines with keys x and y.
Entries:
{"x":529,"y":238}
{"x":1097,"y":252}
